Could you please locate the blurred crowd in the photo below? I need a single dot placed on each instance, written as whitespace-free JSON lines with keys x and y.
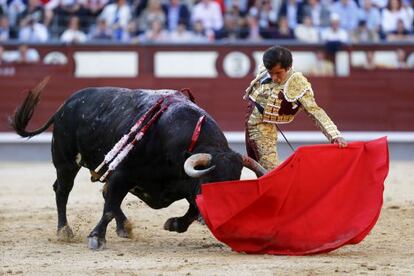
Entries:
{"x":184,"y":21}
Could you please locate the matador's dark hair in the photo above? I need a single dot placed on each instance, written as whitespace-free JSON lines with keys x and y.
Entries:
{"x":277,"y":55}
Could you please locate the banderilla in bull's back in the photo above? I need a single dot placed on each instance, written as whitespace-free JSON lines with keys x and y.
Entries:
{"x":156,"y":167}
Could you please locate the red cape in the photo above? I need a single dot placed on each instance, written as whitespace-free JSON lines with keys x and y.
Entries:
{"x":322,"y":197}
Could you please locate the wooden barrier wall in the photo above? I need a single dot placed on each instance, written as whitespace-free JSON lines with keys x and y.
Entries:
{"x":380,"y":100}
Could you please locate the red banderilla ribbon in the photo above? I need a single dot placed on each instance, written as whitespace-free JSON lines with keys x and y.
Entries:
{"x":121,"y":143}
{"x":196,"y":133}
{"x":131,"y":145}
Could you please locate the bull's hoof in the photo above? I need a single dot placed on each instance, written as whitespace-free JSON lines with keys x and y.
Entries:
{"x":65,"y":234}
{"x":123,"y":234}
{"x":174,"y":225}
{"x":96,"y":243}
{"x":125,"y":231}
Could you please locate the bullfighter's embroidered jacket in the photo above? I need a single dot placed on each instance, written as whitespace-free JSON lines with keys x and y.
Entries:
{"x":279,"y":103}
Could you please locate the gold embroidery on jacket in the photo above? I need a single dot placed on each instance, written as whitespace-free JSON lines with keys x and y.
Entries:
{"x":256,"y":81}
{"x":296,"y":86}
{"x":319,"y":116}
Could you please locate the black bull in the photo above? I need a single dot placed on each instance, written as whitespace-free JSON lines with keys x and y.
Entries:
{"x":159,"y":170}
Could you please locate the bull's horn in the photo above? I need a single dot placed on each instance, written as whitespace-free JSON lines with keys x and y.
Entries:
{"x":199,"y":159}
{"x":253,"y":165}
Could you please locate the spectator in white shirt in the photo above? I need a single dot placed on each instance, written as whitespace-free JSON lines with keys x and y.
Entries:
{"x":117,"y":16}
{"x":379,"y":4}
{"x":72,"y":33}
{"x":156,"y":33}
{"x":4,"y":28}
{"x":33,"y":32}
{"x":334,"y":33}
{"x":180,"y":34}
{"x":118,"y":12}
{"x":14,"y":9}
{"x":266,"y":18}
{"x":209,"y":13}
{"x":26,"y":55}
{"x":408,"y":7}
{"x":348,"y":14}
{"x":265,"y":13}
{"x":307,"y":32}
{"x":292,"y":10}
{"x":371,"y":15}
{"x":3,"y":7}
{"x":394,"y":12}
{"x":318,"y":12}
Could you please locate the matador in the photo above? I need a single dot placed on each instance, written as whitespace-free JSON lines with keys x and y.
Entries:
{"x":274,"y":97}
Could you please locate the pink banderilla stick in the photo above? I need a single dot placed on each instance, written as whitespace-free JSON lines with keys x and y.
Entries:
{"x":131,"y":145}
{"x":121,"y":143}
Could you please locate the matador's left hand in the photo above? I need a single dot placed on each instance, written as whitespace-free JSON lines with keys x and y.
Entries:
{"x":341,"y":142}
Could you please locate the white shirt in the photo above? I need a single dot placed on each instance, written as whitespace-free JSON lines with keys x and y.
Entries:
{"x":184,"y":36}
{"x":52,"y":4}
{"x":210,"y":15}
{"x":15,"y":56}
{"x":307,"y":34}
{"x":110,"y":15}
{"x":330,"y":34}
{"x":13,"y":10}
{"x":377,"y":3}
{"x":70,"y":36}
{"x":34,"y":33}
{"x":4,"y":34}
{"x":316,"y":14}
{"x":390,"y":19}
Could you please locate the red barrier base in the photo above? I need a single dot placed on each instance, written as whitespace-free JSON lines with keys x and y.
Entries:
{"x":319,"y":199}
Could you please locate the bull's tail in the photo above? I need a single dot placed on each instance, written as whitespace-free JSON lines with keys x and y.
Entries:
{"x":24,"y":112}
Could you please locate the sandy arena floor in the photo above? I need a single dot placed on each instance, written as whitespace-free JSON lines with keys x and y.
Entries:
{"x":28,"y":243}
